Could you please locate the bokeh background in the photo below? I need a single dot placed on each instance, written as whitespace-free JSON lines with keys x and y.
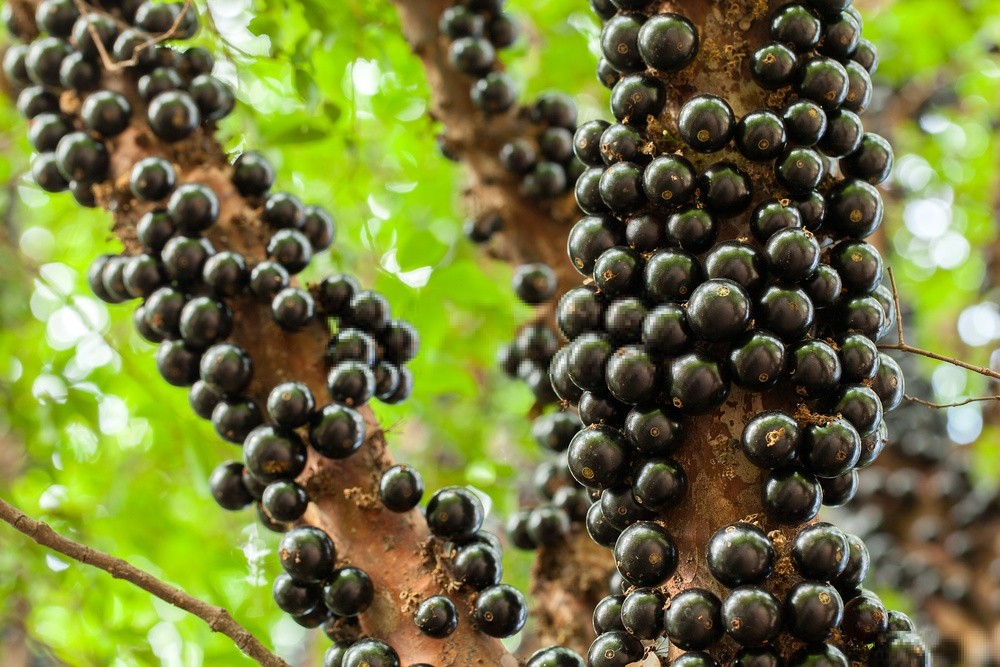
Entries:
{"x":93,"y":442}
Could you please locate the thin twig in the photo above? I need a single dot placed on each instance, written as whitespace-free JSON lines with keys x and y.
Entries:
{"x":113,"y":66}
{"x":940,"y":406}
{"x":905,"y":347}
{"x":218,"y":619}
{"x":899,"y":311}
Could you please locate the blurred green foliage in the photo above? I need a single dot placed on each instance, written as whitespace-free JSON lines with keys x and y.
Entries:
{"x":94,"y":443}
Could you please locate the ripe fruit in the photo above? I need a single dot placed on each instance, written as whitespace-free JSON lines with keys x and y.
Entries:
{"x":307,"y":554}
{"x":173,"y":115}
{"x":152,"y":178}
{"x":615,"y":648}
{"x":707,"y":123}
{"x":106,"y":113}
{"x":760,"y":136}
{"x":693,"y":620}
{"x":454,"y":513}
{"x":791,"y":496}
{"x":645,"y":554}
{"x":773,"y":65}
{"x":751,"y":616}
{"x":348,"y":592}
{"x":813,"y":610}
{"x":370,"y":653}
{"x":667,"y":41}
{"x":227,"y":368}
{"x":285,"y":500}
{"x":534,"y":283}
{"x":400,"y":488}
{"x":697,"y":383}
{"x":718,"y":310}
{"x":820,"y":551}
{"x":500,"y":611}
{"x":336,"y":431}
{"x":272,"y":454}
{"x":226,"y":485}
{"x":436,"y":616}
{"x":740,"y":554}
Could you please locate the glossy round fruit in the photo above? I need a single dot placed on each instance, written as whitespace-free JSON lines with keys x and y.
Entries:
{"x":706,"y":123}
{"x":694,"y":229}
{"x":773,"y":65}
{"x":336,"y":431}
{"x":795,"y":25}
{"x":631,"y":375}
{"x":787,"y":312}
{"x":454,"y":513}
{"x":554,"y":656}
{"x":791,"y":496}
{"x":737,"y":261}
{"x":82,"y":158}
{"x":173,"y":115}
{"x":348,"y":592}
{"x":751,"y":616}
{"x":284,"y":501}
{"x":227,"y":368}
{"x":272,"y":454}
{"x":760,"y":136}
{"x":770,"y":439}
{"x":370,"y":653}
{"x":400,"y":488}
{"x":479,"y":565}
{"x":615,"y":648}
{"x":669,"y":181}
{"x":725,"y":189}
{"x":307,"y":554}
{"x":757,"y":360}
{"x":436,"y":617}
{"x":652,"y":432}
{"x":693,"y":620}
{"x":645,"y":554}
{"x":813,"y":610}
{"x":667,"y":41}
{"x":718,"y":310}
{"x":697,"y":383}
{"x":805,"y":122}
{"x":740,"y":554}
{"x":854,"y":208}
{"x":659,"y":484}
{"x":534,"y":283}
{"x":871,"y":161}
{"x":800,"y":170}
{"x":824,"y":81}
{"x":620,"y":42}
{"x":500,"y":611}
{"x":815,"y":369}
{"x":671,"y":275}
{"x":820,"y":551}
{"x":226,"y":486}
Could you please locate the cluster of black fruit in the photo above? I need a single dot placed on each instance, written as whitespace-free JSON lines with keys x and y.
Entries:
{"x":545,"y":161}
{"x":476,"y":30}
{"x":828,"y":599}
{"x":527,"y":358}
{"x":190,"y":292}
{"x":558,"y":504}
{"x":72,"y":53}
{"x":704,"y":277}
{"x":930,"y":496}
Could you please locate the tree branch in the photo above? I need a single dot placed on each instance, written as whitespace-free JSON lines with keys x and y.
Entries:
{"x":533,"y":230}
{"x":217,"y":618}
